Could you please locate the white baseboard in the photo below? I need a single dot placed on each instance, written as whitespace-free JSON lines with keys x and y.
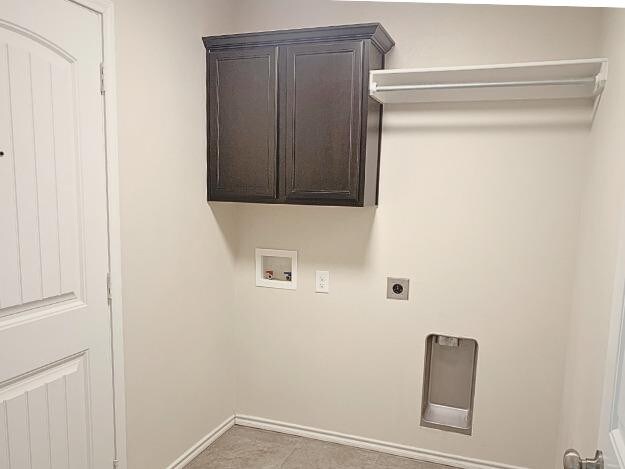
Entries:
{"x":335,"y":437}
{"x":370,"y":444}
{"x":201,"y":445}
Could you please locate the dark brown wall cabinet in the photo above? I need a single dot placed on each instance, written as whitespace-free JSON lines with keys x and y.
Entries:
{"x":290,"y":119}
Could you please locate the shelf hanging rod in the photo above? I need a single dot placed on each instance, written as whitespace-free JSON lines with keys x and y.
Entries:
{"x":495,"y":84}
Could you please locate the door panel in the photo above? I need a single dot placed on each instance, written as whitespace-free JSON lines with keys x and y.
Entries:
{"x":243,"y":120}
{"x":10,"y":288}
{"x":46,"y":418}
{"x":323,"y":119}
{"x":25,"y":173}
{"x":56,"y":395}
{"x":39,"y":180}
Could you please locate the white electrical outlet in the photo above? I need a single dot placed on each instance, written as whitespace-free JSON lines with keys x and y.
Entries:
{"x":322,"y":281}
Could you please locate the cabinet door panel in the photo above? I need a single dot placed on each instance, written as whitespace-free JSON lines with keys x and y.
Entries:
{"x":242,"y":123}
{"x":322,"y":106}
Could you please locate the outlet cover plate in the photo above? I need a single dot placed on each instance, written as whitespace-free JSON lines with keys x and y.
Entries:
{"x":322,"y":281}
{"x":397,"y":288}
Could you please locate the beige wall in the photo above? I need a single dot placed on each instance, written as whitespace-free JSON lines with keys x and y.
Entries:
{"x":600,"y":235}
{"x":479,"y":207}
{"x":176,"y":262}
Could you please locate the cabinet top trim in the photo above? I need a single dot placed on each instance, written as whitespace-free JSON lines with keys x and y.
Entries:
{"x":374,"y":31}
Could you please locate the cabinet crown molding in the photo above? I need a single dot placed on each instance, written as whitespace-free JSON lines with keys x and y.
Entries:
{"x":373,"y":31}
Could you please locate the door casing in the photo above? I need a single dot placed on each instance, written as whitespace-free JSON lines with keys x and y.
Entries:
{"x":105,"y":9}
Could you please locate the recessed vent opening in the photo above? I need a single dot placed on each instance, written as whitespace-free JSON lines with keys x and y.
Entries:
{"x":449,"y":383}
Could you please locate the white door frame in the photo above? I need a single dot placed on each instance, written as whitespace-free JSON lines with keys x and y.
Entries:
{"x":105,"y":8}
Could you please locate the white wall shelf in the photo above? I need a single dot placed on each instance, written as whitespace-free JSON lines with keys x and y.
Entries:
{"x":563,"y":79}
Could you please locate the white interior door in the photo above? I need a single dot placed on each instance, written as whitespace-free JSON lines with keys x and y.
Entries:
{"x":612,"y":423}
{"x":56,"y":395}
{"x":612,"y":427}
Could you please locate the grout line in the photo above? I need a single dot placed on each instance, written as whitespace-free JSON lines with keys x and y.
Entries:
{"x":296,"y":446}
{"x":287,"y":457}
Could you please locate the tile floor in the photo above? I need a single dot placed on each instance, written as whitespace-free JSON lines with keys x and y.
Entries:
{"x":248,"y":448}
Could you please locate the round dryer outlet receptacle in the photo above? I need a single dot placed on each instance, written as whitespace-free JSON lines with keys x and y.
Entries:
{"x":397,"y":288}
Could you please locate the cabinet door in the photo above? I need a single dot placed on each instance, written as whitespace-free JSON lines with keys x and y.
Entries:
{"x":242,"y":156}
{"x":322,"y":122}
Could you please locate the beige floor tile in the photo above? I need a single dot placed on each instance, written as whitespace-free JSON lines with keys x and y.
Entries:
{"x":312,"y":454}
{"x":244,"y":448}
{"x":248,"y":448}
{"x":387,"y":461}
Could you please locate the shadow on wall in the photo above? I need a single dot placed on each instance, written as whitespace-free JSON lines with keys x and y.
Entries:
{"x":489,"y":116}
{"x":225,"y":215}
{"x":415,"y":173}
{"x":346,"y":231}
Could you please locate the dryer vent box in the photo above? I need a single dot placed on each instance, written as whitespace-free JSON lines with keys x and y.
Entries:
{"x":449,"y":383}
